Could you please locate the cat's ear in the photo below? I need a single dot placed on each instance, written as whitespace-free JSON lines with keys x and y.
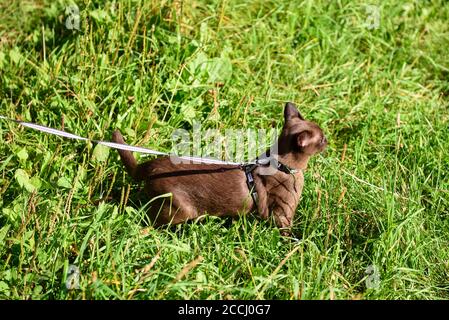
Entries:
{"x":291,"y":112}
{"x":304,"y":139}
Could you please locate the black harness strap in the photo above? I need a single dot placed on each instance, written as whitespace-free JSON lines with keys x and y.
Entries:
{"x":248,"y":168}
{"x":284,"y":168}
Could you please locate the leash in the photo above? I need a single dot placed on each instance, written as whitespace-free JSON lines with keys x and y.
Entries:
{"x":115,"y":145}
{"x":248,"y":167}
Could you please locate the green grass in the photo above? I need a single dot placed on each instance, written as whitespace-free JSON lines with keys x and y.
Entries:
{"x":379,"y":195}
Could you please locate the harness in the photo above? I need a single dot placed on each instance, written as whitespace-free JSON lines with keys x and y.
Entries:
{"x":249,"y":167}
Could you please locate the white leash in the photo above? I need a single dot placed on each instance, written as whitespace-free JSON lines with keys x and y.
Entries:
{"x":114,"y":145}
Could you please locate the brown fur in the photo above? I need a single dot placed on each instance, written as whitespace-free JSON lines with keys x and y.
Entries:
{"x":221,"y":190}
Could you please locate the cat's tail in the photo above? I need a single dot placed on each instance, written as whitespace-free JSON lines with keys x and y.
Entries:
{"x":127,"y":157}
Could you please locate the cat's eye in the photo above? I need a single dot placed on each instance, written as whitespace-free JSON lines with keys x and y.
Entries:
{"x":323,"y":140}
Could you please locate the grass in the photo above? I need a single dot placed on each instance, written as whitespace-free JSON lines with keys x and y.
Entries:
{"x":378,"y":197}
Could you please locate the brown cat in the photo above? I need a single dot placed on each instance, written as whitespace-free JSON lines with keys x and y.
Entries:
{"x":224,"y":190}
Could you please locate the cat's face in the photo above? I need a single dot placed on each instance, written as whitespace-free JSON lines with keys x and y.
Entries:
{"x":299,"y":135}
